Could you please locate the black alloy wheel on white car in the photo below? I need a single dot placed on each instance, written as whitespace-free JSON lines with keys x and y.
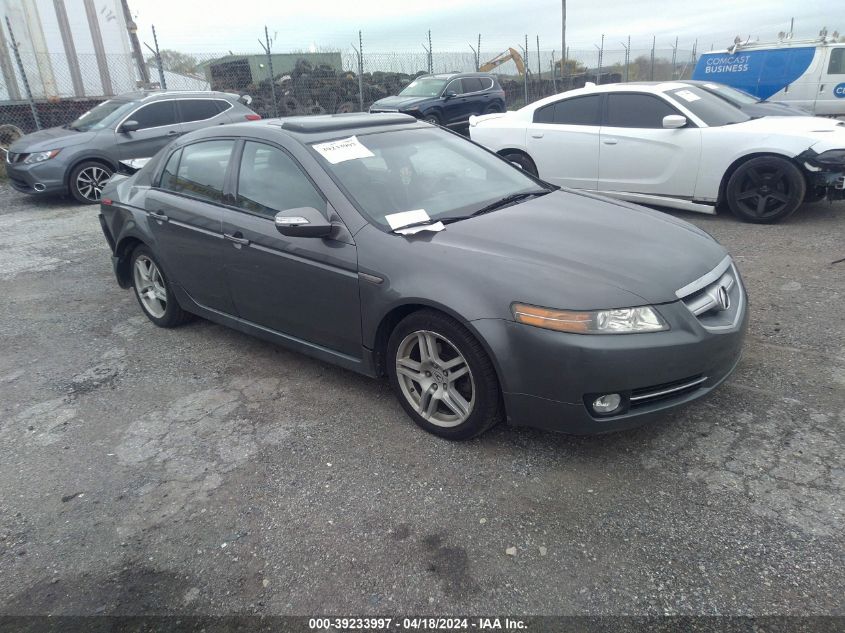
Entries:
{"x":765,"y":190}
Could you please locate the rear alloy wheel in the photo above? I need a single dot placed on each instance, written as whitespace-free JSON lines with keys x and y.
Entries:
{"x":522,"y":160}
{"x":442,"y":376}
{"x":433,"y":119}
{"x":765,"y":190}
{"x":153,"y":291}
{"x":87,"y":181}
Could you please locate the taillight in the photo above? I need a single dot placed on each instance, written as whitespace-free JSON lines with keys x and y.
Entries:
{"x":106,"y":201}
{"x":253,"y":117}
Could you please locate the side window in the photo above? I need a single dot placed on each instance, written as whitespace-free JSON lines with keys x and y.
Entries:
{"x":578,"y":111}
{"x":197,"y":109}
{"x":636,"y":110}
{"x":546,"y":114}
{"x":201,"y":170}
{"x":454,"y":86}
{"x":222,"y":105}
{"x":168,"y":176}
{"x":486,"y":83}
{"x":471,"y":84}
{"x":155,"y":114}
{"x":837,"y":62}
{"x":270,"y":181}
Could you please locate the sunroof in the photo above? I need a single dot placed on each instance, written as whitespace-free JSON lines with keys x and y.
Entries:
{"x":331,"y":122}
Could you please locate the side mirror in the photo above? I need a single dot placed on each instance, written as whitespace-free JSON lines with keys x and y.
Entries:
{"x":449,"y":94}
{"x":302,"y":222}
{"x":674,"y":121}
{"x":129,"y":126}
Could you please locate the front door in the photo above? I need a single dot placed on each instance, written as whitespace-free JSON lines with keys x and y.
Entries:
{"x":158,"y":124}
{"x":306,"y":288}
{"x":639,"y":155}
{"x":186,"y":219}
{"x":830,"y":97}
{"x":454,"y":107}
{"x":563,"y":141}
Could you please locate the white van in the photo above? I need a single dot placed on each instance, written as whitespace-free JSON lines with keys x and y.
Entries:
{"x":809,"y":74}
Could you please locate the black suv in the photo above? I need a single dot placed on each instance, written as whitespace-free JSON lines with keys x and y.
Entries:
{"x":447,"y":99}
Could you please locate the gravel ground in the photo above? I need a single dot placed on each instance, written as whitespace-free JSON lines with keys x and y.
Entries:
{"x":201,"y":471}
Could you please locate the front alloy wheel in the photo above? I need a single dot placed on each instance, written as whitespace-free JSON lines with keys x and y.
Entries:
{"x":765,"y":190}
{"x":442,"y":376}
{"x":87,"y":181}
{"x":435,"y":378}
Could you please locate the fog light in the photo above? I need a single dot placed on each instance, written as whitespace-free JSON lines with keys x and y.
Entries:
{"x":608,"y":403}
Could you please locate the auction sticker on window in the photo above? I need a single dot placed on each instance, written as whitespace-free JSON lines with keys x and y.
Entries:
{"x":342,"y":150}
{"x":688,"y":95}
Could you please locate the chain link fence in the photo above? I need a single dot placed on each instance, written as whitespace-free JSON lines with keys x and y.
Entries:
{"x":44,"y":90}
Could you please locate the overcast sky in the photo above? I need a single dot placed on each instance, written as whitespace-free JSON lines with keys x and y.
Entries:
{"x":400,"y":25}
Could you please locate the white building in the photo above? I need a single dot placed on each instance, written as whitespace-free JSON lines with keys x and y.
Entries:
{"x":70,"y":48}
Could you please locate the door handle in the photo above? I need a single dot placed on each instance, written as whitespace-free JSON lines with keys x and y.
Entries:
{"x":237,"y":238}
{"x":536,"y":135}
{"x":158,"y":216}
{"x":173,"y":133}
{"x":610,"y":141}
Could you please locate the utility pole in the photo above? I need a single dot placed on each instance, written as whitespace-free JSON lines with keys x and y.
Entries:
{"x":266,"y":46}
{"x":22,"y":71}
{"x":563,"y":51}
{"x":132,"y":28}
{"x":539,"y":71}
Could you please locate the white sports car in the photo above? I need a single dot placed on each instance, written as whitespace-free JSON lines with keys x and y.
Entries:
{"x":672,"y":145}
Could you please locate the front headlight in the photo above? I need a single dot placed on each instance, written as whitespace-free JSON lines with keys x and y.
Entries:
{"x":619,"y":321}
{"x":831,"y":158}
{"x":40,"y":157}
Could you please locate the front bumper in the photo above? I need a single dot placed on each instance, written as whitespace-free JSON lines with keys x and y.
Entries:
{"x":39,"y":179}
{"x":549,"y":377}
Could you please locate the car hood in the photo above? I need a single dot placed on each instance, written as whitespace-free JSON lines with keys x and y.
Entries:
{"x":812,"y":129}
{"x":566,"y":250}
{"x":51,"y":138}
{"x":773,"y":109}
{"x":399,"y":102}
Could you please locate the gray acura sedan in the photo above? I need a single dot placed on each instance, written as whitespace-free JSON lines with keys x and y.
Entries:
{"x":391,"y":247}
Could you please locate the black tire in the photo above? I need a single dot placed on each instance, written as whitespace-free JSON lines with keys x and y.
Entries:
{"x":486,"y":401}
{"x":765,"y":190}
{"x":432,"y":118}
{"x":87,"y":179}
{"x":172,"y":314}
{"x":523,"y":160}
{"x":492,"y":109}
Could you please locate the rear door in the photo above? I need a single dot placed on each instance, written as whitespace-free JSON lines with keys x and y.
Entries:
{"x":638,"y":155}
{"x":195,"y":114}
{"x":185,"y":216}
{"x":476,"y":99}
{"x":306,"y":288}
{"x":563,"y":141}
{"x":158,"y":124}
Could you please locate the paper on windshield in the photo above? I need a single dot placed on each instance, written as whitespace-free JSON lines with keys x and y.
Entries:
{"x":345,"y":149}
{"x":688,"y":95}
{"x":399,"y":220}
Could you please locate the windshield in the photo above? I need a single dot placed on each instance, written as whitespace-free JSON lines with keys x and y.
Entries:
{"x":732,"y":95}
{"x":103,"y":115}
{"x":424,"y":87}
{"x":425,"y":168}
{"x":713,"y":110}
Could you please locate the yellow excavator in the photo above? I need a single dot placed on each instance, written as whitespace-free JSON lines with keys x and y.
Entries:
{"x":501,"y":58}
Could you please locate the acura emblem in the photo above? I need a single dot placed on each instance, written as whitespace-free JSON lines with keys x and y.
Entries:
{"x":723,"y":299}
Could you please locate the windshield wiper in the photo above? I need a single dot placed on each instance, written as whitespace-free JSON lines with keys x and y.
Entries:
{"x":509,"y":200}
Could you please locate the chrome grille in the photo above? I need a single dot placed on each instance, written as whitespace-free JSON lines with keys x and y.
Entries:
{"x":676,"y":389}
{"x":716,"y":298}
